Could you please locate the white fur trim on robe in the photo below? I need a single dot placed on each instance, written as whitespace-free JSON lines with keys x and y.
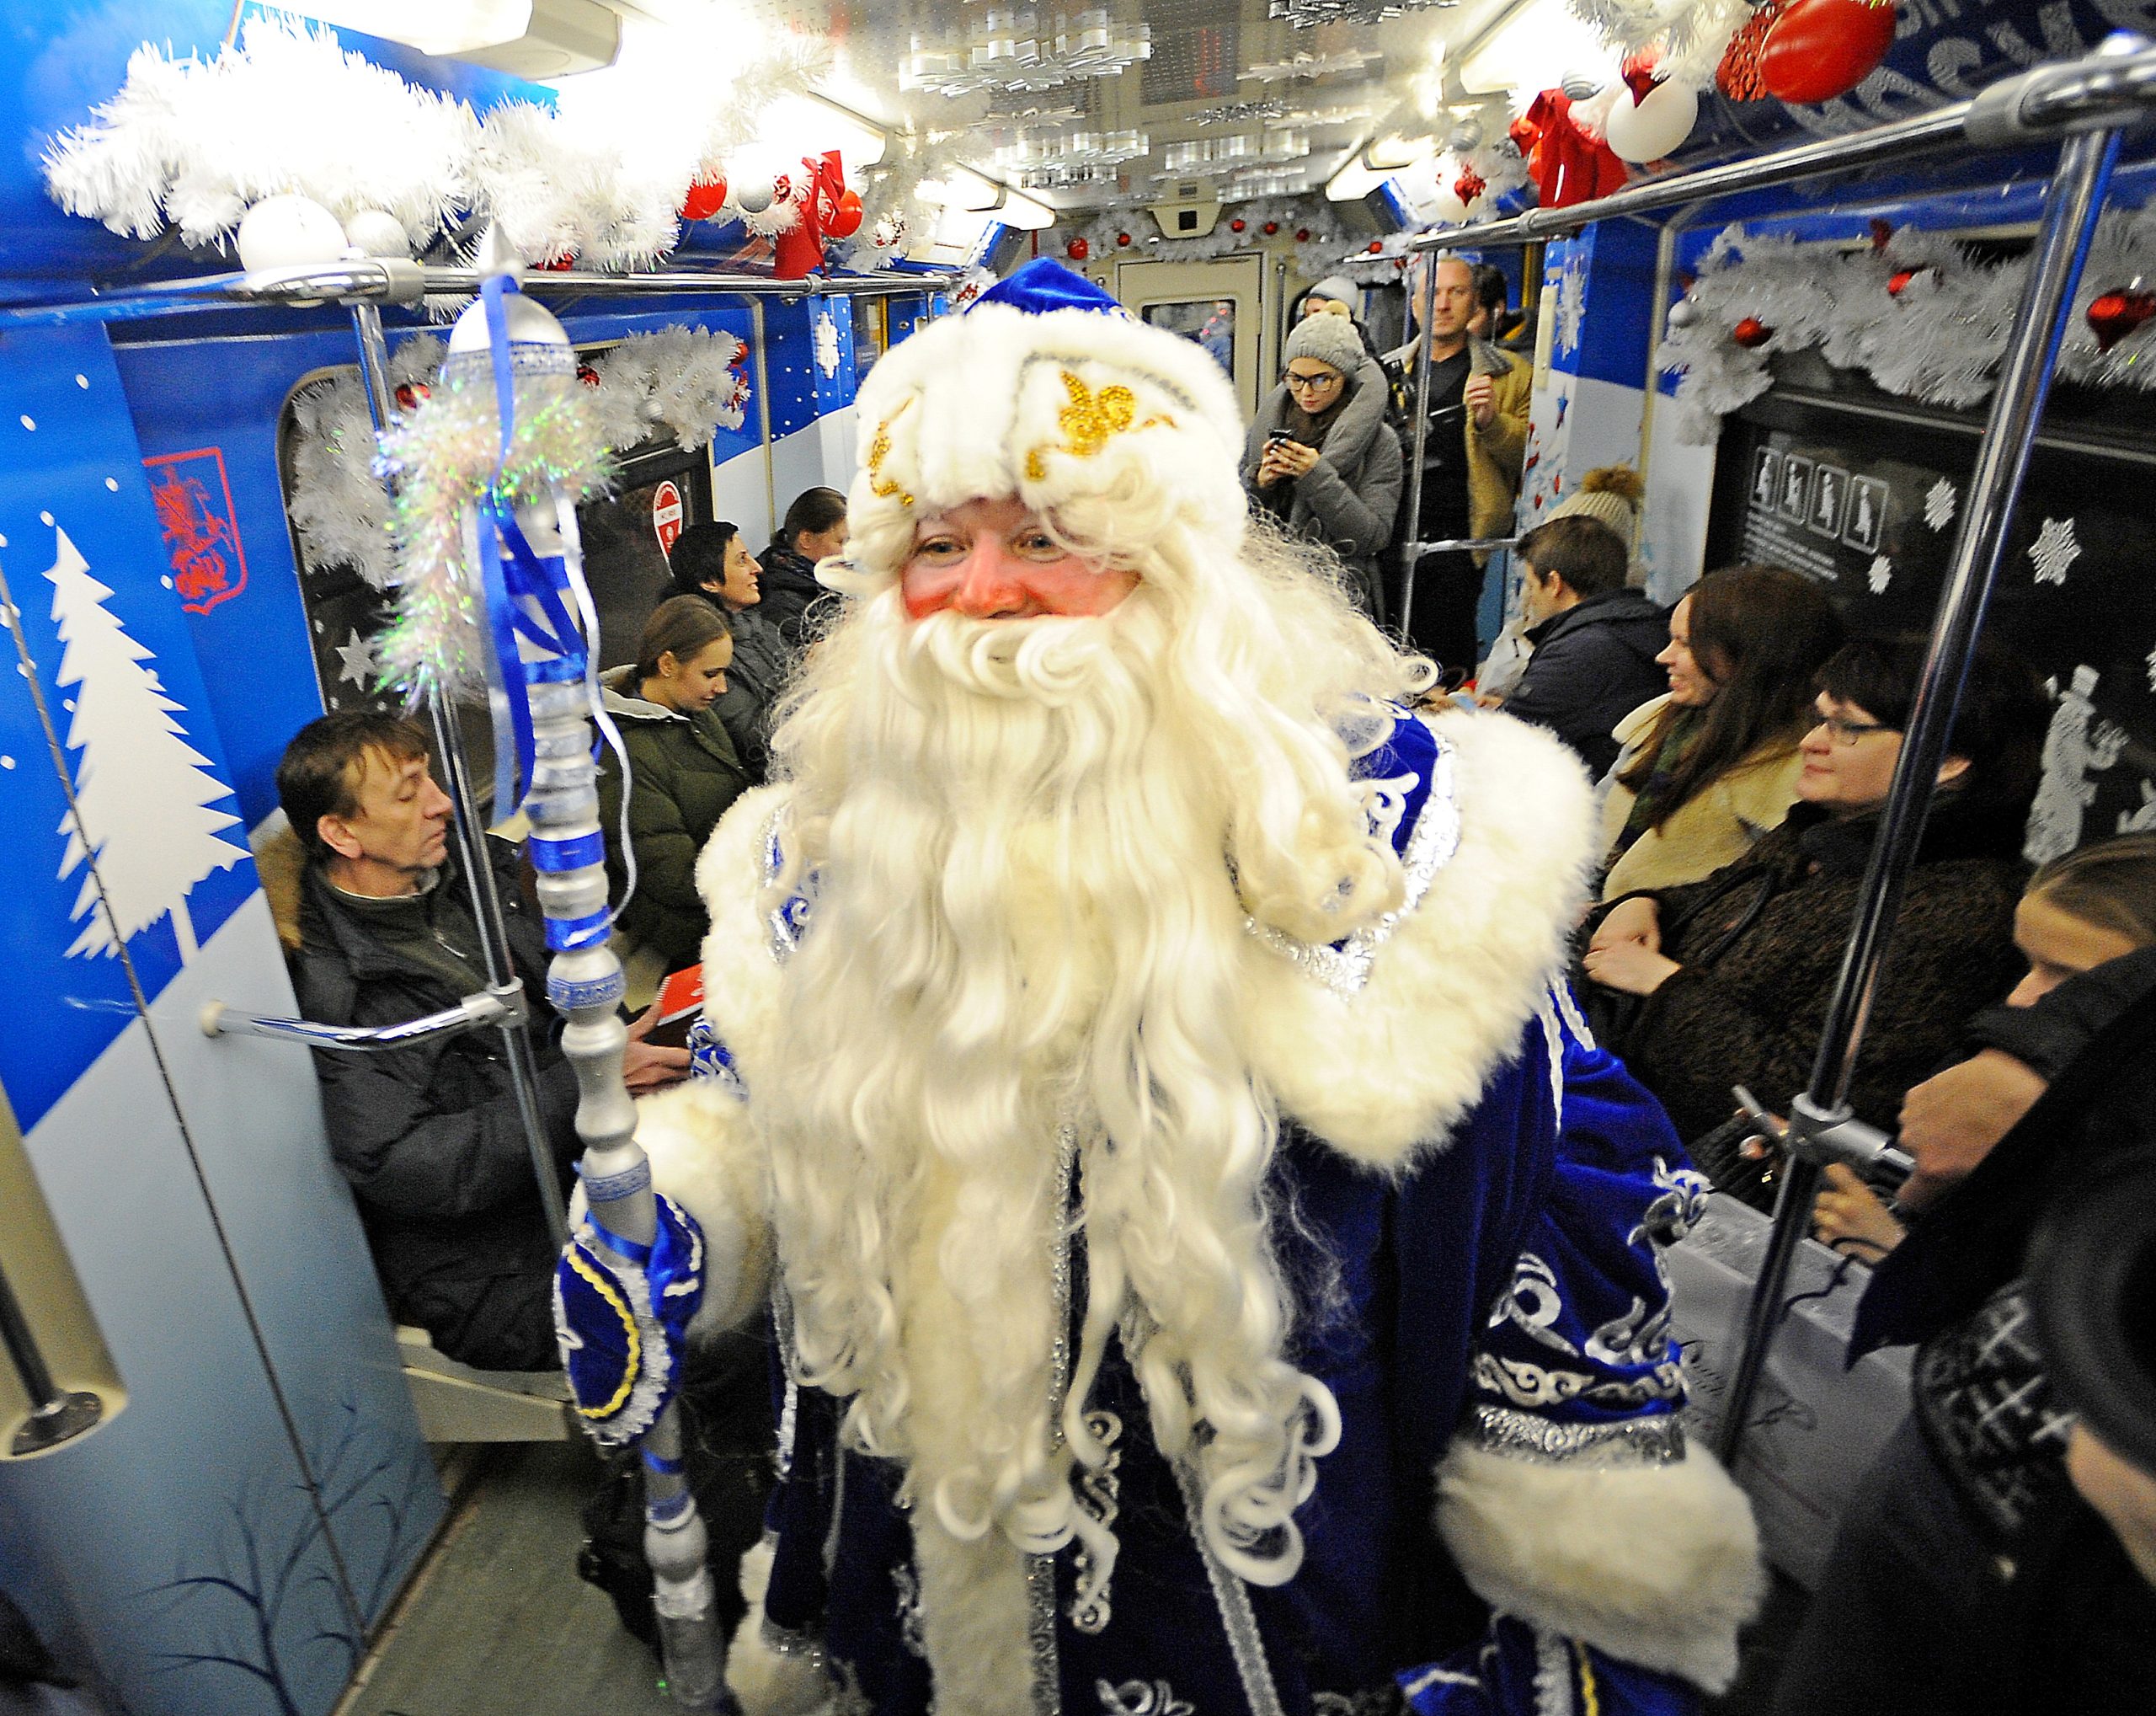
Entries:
{"x":1399,"y":1061}
{"x":703,"y":1157}
{"x":1657,"y":1565}
{"x":767,"y":1683}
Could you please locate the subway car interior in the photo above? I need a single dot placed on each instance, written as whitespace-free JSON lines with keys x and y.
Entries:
{"x":481,"y":437}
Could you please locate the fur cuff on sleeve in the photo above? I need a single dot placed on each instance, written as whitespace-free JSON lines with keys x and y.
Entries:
{"x":696,"y":1135}
{"x":766,"y":1682}
{"x":1657,"y":1565}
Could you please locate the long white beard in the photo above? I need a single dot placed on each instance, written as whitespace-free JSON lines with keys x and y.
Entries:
{"x":1024,"y":920}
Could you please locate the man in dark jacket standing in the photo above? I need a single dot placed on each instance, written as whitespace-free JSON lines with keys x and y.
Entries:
{"x":428,"y":1135}
{"x":1594,"y":641}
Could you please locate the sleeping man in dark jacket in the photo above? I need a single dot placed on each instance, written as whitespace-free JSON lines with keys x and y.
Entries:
{"x":1594,"y":641}
{"x":429,"y":1135}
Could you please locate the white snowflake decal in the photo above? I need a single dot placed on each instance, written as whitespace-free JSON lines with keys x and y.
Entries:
{"x":2054,"y":550}
{"x":357,"y":655}
{"x":1881,"y":574}
{"x":1940,"y":503}
{"x":827,"y":345}
{"x":2151,"y":665}
{"x":1571,"y":301}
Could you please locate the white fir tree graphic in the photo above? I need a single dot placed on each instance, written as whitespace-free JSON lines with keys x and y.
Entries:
{"x":142,"y":793}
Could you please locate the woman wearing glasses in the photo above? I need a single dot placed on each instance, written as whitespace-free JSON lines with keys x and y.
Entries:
{"x":1733,"y":972}
{"x":1322,"y":459}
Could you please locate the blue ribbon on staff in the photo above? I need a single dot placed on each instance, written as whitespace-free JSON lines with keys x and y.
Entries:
{"x":516,"y":579}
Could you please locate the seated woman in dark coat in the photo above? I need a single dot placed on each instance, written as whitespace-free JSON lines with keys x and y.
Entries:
{"x":685,"y":771}
{"x":1735,"y":970}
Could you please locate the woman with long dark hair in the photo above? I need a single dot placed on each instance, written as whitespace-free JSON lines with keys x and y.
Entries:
{"x":1734,"y":972}
{"x":1708,"y":768}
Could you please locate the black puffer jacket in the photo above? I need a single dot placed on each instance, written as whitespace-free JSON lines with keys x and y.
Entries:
{"x":790,"y":590}
{"x":429,"y":1135}
{"x":1593,"y":665}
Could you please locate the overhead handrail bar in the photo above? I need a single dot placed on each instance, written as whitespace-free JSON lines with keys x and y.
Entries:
{"x":380,"y":280}
{"x":2070,"y":212}
{"x":2098,"y":91}
{"x":486,"y":1007}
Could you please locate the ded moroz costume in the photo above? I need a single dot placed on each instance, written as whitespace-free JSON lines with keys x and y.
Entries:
{"x":1214,"y":1268}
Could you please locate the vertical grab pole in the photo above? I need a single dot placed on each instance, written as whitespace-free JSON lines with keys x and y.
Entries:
{"x":472,"y":846}
{"x":1414,"y":532}
{"x":2077,"y":198}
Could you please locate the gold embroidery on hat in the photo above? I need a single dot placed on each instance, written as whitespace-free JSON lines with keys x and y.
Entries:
{"x":879,"y":449}
{"x":1088,"y":420}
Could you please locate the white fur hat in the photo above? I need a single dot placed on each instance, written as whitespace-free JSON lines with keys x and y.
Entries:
{"x":1047,"y":389}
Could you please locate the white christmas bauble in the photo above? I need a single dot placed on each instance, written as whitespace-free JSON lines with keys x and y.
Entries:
{"x":1647,"y":130}
{"x":1581,"y":86}
{"x":1683,"y":313}
{"x":374,"y":233}
{"x":289,"y":231}
{"x":752,"y":193}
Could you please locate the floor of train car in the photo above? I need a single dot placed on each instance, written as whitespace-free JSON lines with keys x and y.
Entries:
{"x":497,"y":1620}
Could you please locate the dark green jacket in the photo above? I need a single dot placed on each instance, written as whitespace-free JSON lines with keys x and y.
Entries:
{"x":685,"y":772}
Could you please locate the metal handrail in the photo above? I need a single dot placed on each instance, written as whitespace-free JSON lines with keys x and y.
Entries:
{"x":488,"y":1006}
{"x":1819,"y":1112}
{"x":380,"y":280}
{"x":2098,"y":91}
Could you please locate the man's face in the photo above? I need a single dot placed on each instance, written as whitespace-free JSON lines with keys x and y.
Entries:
{"x":399,"y":828}
{"x":1537,"y":594}
{"x":996,"y":559}
{"x":1455,"y":305}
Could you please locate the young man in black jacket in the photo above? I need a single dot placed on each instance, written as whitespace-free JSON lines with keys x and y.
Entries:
{"x":429,"y":1135}
{"x":1594,"y":640}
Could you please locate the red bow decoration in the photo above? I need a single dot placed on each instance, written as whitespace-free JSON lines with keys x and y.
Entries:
{"x":799,"y":250}
{"x":1565,"y":165}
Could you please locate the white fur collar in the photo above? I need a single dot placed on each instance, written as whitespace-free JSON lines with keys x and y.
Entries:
{"x":1376,"y":1070}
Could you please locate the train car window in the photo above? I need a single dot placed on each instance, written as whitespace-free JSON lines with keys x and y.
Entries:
{"x":1210,"y":322}
{"x":662,"y":489}
{"x":872,"y":332}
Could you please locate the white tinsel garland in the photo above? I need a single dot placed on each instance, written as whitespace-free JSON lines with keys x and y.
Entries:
{"x":192,"y":144}
{"x":1289,"y":216}
{"x":1690,"y":38}
{"x":678,"y":378}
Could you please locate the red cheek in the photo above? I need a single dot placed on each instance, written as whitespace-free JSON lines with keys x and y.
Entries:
{"x":927,"y":590}
{"x":1073,"y":588}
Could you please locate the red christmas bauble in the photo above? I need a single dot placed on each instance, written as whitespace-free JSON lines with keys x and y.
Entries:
{"x":1237,"y":224}
{"x":409,"y":395}
{"x":706,"y":197}
{"x":1399,"y":263}
{"x":1819,"y":48}
{"x":2113,"y":314}
{"x":1751,"y":332}
{"x":1738,"y":76}
{"x":1078,"y":249}
{"x":558,"y":264}
{"x":1900,"y":283}
{"x":843,"y":220}
{"x":1377,"y":246}
{"x":1302,"y":235}
{"x":1270,"y":228}
{"x":587,"y":374}
{"x":1122,"y":241}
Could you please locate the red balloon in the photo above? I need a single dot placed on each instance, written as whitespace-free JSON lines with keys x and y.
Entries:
{"x":1237,"y":224}
{"x":2113,"y":314}
{"x":705,"y":198}
{"x":1122,"y":240}
{"x":1751,"y":332}
{"x":845,"y":219}
{"x":1818,"y":49}
{"x":1078,"y":249}
{"x":1271,"y":228}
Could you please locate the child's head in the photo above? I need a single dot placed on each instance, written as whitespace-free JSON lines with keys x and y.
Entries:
{"x":2095,"y":904}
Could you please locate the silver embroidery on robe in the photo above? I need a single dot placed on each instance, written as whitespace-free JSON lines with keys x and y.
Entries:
{"x":1096,"y":1492}
{"x":1142,"y":1698}
{"x":908,"y":1583}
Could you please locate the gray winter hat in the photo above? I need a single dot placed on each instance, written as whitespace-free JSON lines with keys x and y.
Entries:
{"x":1331,"y":339}
{"x":1338,"y":289}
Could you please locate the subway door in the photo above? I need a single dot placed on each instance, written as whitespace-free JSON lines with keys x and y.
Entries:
{"x":1219,"y":304}
{"x":224,"y":1540}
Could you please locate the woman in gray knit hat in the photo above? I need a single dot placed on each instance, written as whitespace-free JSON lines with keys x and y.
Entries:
{"x":1321,"y":457}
